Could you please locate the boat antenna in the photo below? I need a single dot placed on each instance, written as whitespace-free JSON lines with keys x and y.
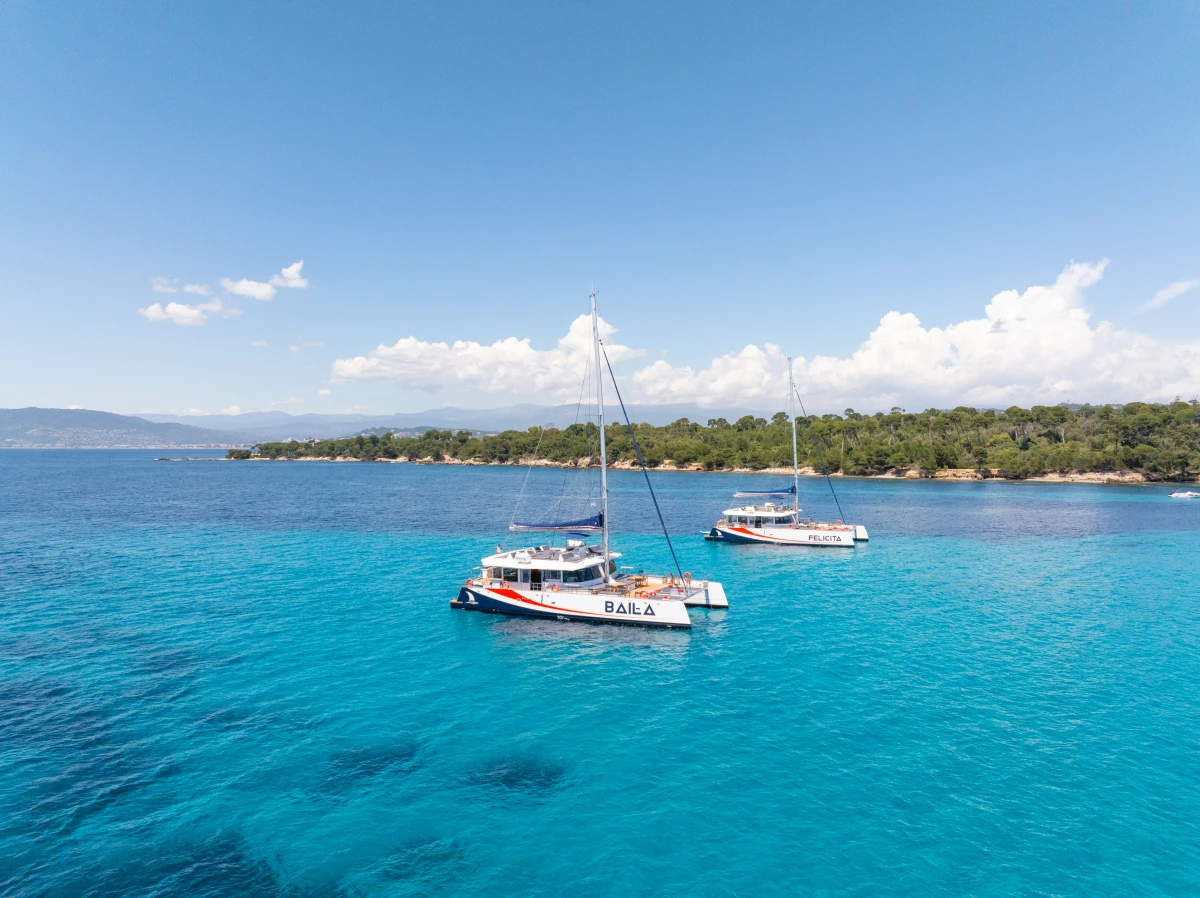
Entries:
{"x":641,"y":461}
{"x":603,"y":448}
{"x":820,"y":457}
{"x":795,"y":456}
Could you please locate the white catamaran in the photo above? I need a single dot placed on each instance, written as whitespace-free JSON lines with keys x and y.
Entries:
{"x":776,"y":521}
{"x":579,"y":582}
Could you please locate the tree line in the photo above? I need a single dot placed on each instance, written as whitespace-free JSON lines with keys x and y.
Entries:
{"x":1159,"y":440}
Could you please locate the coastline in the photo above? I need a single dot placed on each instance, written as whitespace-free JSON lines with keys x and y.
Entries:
{"x":1116,"y":478}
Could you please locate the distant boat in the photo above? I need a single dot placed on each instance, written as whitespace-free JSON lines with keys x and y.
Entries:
{"x":777,"y":521}
{"x":578,"y":582}
{"x":1183,"y":494}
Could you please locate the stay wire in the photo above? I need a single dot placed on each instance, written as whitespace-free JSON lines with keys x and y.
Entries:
{"x":820,"y":457}
{"x":645,"y":473}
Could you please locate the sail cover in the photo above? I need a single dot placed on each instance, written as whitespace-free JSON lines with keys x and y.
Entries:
{"x":746,"y":494}
{"x":595,"y":522}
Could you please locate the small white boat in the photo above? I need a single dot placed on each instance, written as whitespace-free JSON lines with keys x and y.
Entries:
{"x":578,"y":582}
{"x":1184,"y":494}
{"x":775,"y":522}
{"x":782,"y":525}
{"x":569,"y":583}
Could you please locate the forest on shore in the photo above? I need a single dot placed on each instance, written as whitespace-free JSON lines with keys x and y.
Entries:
{"x":1161,"y":441}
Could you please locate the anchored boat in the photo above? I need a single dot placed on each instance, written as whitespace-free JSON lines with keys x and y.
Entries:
{"x":581,"y":582}
{"x":776,"y":520}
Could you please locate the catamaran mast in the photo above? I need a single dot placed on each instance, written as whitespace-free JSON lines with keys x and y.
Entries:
{"x":603,"y":448}
{"x":795,"y":461}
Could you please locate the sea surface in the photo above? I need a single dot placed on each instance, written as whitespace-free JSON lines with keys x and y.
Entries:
{"x":228,"y":678}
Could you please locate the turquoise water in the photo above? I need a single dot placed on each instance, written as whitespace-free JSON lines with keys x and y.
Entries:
{"x":230,"y":679}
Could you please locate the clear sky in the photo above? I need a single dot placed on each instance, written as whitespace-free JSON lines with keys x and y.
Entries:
{"x":726,"y":175}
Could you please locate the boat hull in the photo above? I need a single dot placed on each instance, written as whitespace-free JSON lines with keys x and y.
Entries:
{"x":843,"y":537}
{"x":575,"y":606}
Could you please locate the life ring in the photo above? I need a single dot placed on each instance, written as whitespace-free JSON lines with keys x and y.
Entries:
{"x":504,"y":584}
{"x":554,"y":587}
{"x":470,"y":582}
{"x":687,"y":577}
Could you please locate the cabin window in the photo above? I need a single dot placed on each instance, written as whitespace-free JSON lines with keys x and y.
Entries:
{"x":612,"y":566}
{"x":524,"y":576}
{"x":572,"y":577}
{"x":510,"y":574}
{"x":593,"y":573}
{"x":552,"y":575}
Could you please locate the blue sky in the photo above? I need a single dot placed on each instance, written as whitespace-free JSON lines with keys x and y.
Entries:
{"x":728,"y":176}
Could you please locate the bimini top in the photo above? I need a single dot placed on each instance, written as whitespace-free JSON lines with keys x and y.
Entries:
{"x":571,"y":558}
{"x":747,"y":494}
{"x":769,"y":511}
{"x":595,"y":522}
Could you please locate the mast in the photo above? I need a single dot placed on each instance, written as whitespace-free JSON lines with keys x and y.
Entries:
{"x":795,"y":462}
{"x":603,"y":448}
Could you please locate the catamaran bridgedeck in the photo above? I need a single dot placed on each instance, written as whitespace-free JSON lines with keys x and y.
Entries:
{"x":580,"y":582}
{"x":777,"y":521}
{"x":570,"y":584}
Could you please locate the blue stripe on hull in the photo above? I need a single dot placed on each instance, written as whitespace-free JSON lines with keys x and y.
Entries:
{"x":488,"y":605}
{"x":717,"y":536}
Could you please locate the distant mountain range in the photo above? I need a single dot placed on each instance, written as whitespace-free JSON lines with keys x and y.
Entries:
{"x":82,"y":428}
{"x":282,"y":426}
{"x":26,"y":428}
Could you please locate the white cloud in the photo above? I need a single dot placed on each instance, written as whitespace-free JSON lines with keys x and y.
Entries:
{"x":324,"y":392}
{"x":253,"y":289}
{"x":163,"y":285}
{"x":506,"y":366}
{"x":187,"y":315}
{"x":1035,"y":346}
{"x":305,"y":344}
{"x":74,"y":406}
{"x":198,"y":289}
{"x":290,"y":277}
{"x":258,"y":342}
{"x":1165,"y":295}
{"x":232,"y":410}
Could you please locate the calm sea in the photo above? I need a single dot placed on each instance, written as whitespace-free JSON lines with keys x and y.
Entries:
{"x":245,"y":679}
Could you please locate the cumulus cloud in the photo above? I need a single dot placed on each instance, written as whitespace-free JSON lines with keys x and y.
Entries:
{"x":1165,"y":295}
{"x":253,"y":289}
{"x":324,"y":392}
{"x":187,"y":315}
{"x":258,"y":342}
{"x":198,"y":289}
{"x":506,"y":366}
{"x":163,"y":285}
{"x":290,"y":277}
{"x":1038,"y":345}
{"x":1033,"y":346}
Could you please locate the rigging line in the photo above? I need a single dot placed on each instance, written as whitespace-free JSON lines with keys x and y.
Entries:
{"x":528,"y":471}
{"x":645,"y":473}
{"x":565,"y":474}
{"x":824,"y":469}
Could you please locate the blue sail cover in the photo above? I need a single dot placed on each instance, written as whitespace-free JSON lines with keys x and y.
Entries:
{"x":595,"y":522}
{"x":746,"y":494}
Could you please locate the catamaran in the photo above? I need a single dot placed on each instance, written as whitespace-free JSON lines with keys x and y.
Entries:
{"x":581,"y":582}
{"x":773,"y":515}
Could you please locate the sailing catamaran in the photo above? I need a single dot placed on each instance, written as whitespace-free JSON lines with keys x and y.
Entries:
{"x":579,"y":582}
{"x":776,"y":520}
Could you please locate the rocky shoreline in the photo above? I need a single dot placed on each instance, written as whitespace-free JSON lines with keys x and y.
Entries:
{"x":1095,"y":477}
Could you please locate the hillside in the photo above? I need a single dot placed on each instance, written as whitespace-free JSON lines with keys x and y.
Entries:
{"x":30,"y":428}
{"x":1157,"y":441}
